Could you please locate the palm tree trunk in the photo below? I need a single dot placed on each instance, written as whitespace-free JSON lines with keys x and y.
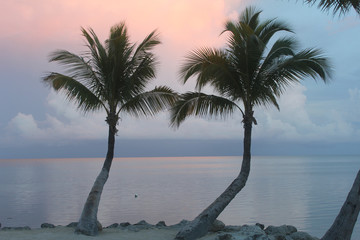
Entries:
{"x":344,"y":223}
{"x":203,"y":222}
{"x":88,"y":221}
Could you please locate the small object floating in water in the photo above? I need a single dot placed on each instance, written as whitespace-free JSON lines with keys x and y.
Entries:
{"x":136,"y":195}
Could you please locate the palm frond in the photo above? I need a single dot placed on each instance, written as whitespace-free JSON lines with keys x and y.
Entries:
{"x":142,"y":74}
{"x":148,"y":43}
{"x":74,"y":91}
{"x":78,"y":68}
{"x":338,"y":6}
{"x":98,"y":57}
{"x":281,"y":48}
{"x":151,"y":102}
{"x":269,"y":28}
{"x":200,"y":105}
{"x":250,"y":16}
{"x":208,"y":65}
{"x":306,"y":63}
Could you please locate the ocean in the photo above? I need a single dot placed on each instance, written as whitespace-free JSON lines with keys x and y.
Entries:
{"x":304,"y":191}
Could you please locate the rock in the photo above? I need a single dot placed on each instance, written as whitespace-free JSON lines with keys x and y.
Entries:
{"x":281,"y":230}
{"x":251,"y":230}
{"x":279,"y":237}
{"x":262,"y":226}
{"x":47,"y":225}
{"x":114,"y":225}
{"x":232,"y":228}
{"x":142,"y":222}
{"x":142,"y":225}
{"x":16,"y":228}
{"x":161,"y":224}
{"x":217,"y":226}
{"x":72,"y":224}
{"x":301,"y":236}
{"x":125,"y":224}
{"x":225,"y":236}
{"x":181,"y":224}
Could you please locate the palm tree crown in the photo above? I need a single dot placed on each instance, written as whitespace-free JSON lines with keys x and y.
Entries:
{"x":247,"y":70}
{"x":113,"y":76}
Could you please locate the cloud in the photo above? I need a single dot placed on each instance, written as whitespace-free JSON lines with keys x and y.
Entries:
{"x":67,"y":124}
{"x":295,"y":120}
{"x":292,"y":123}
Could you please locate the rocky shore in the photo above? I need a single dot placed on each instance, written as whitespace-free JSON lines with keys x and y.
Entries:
{"x":144,"y":230}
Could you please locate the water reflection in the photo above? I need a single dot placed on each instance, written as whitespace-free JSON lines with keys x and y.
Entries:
{"x":306,"y":192}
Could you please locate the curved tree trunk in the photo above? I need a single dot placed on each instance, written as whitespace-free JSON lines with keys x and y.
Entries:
{"x":203,"y":222}
{"x":88,"y":221}
{"x":344,"y":223}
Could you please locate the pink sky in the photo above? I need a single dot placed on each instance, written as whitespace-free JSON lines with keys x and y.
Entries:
{"x":182,"y":23}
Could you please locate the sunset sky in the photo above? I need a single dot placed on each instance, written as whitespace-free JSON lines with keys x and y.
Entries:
{"x":35,"y":122}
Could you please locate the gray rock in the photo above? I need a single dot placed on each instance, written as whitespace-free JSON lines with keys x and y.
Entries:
{"x":16,"y":228}
{"x":217,"y":226}
{"x":281,"y":230}
{"x":301,"y":236}
{"x":72,"y":224}
{"x":232,"y":228}
{"x":161,"y":224}
{"x":251,"y":230}
{"x":181,"y":224}
{"x":143,"y":223}
{"x":47,"y":225}
{"x":125,"y":224}
{"x":279,"y":237}
{"x":114,"y":225}
{"x":225,"y":236}
{"x":262,"y":226}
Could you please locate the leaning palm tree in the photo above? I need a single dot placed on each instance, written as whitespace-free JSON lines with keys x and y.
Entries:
{"x":111,"y":77}
{"x":247,"y":73}
{"x":338,"y":6}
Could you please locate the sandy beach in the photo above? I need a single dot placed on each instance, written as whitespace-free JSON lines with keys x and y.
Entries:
{"x":62,"y":233}
{"x":149,"y":232}
{"x":65,"y":233}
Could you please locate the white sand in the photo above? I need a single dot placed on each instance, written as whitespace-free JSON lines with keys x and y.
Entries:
{"x":66,"y":233}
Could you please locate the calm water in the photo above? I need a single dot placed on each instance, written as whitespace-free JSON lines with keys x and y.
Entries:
{"x":306,"y":192}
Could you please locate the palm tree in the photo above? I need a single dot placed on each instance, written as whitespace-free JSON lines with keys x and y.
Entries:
{"x":246,"y":74}
{"x":111,"y":77}
{"x":343,"y":225}
{"x":338,"y":6}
